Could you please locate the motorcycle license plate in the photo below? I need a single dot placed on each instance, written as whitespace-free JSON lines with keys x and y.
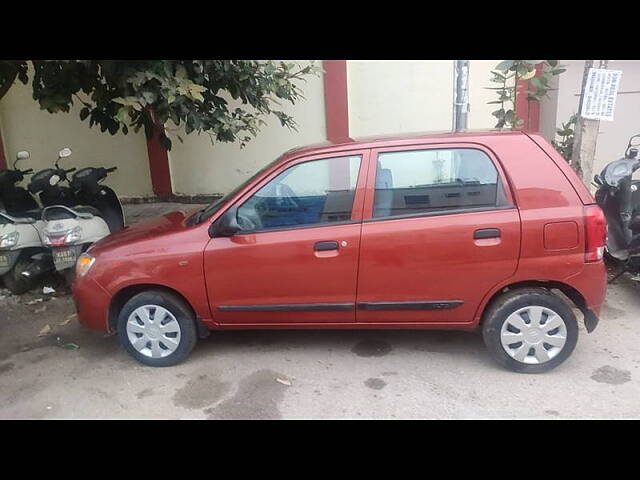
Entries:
{"x":4,"y":261}
{"x":64,"y":257}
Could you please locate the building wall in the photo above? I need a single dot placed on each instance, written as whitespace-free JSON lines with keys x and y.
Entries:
{"x":26,"y":127}
{"x":613,"y":136}
{"x":388,"y":97}
{"x":198,"y":167}
{"x":479,"y":94}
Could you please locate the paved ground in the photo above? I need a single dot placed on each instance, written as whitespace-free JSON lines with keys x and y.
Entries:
{"x":302,"y":374}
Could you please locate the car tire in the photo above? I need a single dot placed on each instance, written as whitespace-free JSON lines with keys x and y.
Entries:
{"x":157,"y":328}
{"x":16,"y":283}
{"x":519,"y":325}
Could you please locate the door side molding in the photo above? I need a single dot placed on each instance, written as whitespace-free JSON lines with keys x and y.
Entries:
{"x":288,"y":307}
{"x":419,"y":305}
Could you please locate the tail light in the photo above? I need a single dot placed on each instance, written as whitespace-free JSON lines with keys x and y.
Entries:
{"x":595,"y":225}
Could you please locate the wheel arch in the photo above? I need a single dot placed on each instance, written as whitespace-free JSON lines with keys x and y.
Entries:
{"x":569,"y":294}
{"x":128,"y":292}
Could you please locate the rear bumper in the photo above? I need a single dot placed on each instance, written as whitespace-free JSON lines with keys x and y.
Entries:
{"x":92,"y":304}
{"x":591,"y":282}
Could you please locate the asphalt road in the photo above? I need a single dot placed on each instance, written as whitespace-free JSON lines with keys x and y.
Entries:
{"x":309,"y":374}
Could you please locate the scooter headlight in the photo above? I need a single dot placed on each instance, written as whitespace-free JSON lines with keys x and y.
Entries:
{"x":84,"y":264}
{"x":63,"y":238}
{"x":73,"y":236}
{"x":9,"y":240}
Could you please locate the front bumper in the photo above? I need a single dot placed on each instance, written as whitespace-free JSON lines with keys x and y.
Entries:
{"x":92,"y":303}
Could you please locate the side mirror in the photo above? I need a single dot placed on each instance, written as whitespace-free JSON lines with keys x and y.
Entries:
{"x":65,"y":152}
{"x":227,"y":225}
{"x":22,"y":155}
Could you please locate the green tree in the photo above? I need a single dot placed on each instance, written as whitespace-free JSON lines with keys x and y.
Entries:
{"x":120,"y":96}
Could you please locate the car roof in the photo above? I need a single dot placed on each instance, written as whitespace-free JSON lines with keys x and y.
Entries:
{"x":379,"y":141}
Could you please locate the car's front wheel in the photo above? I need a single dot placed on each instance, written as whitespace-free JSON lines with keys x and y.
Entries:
{"x":530,"y":330}
{"x":157,"y":328}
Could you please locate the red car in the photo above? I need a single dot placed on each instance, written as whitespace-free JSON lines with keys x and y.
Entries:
{"x":489,"y":231}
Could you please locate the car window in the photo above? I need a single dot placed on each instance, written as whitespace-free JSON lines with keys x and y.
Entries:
{"x":309,"y":193}
{"x":421,"y":181}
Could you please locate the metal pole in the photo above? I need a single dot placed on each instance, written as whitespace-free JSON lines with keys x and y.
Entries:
{"x":461,"y":95}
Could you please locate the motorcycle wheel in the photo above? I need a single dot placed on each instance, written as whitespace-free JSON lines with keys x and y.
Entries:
{"x":17,"y":283}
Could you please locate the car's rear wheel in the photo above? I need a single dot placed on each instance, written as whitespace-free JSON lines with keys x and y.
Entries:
{"x":157,"y":328}
{"x":530,"y":330}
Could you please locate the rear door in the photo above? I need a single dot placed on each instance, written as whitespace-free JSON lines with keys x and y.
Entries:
{"x":440,"y":229}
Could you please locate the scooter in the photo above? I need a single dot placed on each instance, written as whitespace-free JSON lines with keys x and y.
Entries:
{"x":618,"y":196}
{"x":22,"y":255}
{"x":71,"y":229}
{"x":48,"y":184}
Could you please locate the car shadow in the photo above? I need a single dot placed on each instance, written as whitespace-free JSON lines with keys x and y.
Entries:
{"x":361,"y":343}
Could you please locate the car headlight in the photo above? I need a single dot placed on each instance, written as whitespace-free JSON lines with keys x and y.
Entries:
{"x":84,"y":264}
{"x":9,"y":240}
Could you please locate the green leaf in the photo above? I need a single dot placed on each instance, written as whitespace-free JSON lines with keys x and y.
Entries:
{"x":165,"y":142}
{"x":505,"y":65}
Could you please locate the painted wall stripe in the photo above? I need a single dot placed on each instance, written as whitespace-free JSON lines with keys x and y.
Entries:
{"x":528,"y":111}
{"x":336,"y":100}
{"x":3,"y":158}
{"x":159,"y":165}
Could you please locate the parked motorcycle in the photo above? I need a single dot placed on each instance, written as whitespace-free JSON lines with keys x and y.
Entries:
{"x":22,"y":255}
{"x":16,"y":200}
{"x":86,"y":212}
{"x":48,"y":184}
{"x":619,"y":198}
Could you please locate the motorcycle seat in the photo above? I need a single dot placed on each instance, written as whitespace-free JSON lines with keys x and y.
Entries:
{"x":88,"y":209}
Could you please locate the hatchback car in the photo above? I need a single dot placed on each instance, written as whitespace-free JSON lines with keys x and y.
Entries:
{"x":488,"y":231}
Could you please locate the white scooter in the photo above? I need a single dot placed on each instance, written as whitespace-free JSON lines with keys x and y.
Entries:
{"x":71,"y":230}
{"x":22,"y":258}
{"x":22,"y":255}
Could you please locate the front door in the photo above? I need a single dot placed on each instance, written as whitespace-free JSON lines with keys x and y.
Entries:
{"x":440,"y":230}
{"x":296,"y":259}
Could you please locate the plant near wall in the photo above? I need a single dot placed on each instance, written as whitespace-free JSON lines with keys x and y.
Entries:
{"x":227,"y":99}
{"x":507,"y":73}
{"x":567,"y":135}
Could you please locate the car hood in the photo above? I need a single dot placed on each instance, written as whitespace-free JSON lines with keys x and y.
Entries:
{"x":146,"y":230}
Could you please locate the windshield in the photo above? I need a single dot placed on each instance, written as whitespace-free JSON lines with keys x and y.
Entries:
{"x":208,"y":211}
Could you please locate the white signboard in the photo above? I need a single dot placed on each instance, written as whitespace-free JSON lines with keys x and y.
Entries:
{"x":600,"y":94}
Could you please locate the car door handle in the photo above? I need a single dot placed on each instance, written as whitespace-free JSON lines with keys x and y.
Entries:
{"x":487,"y":233}
{"x":324,"y":246}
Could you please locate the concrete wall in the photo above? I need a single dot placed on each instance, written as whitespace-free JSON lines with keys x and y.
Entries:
{"x":198,"y":167}
{"x":26,"y":127}
{"x":479,"y":94}
{"x":388,"y":97}
{"x":613,"y":136}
